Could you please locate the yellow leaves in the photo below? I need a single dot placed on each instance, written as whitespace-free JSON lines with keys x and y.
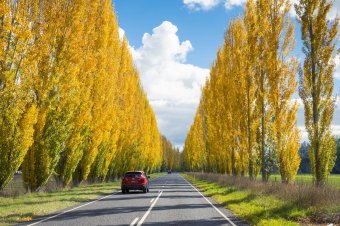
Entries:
{"x":70,"y":94}
{"x":27,"y":123}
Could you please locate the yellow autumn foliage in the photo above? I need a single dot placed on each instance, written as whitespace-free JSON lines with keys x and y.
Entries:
{"x":246,"y":120}
{"x":72,"y":104}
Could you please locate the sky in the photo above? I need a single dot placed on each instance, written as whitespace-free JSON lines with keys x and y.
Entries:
{"x":173,"y":44}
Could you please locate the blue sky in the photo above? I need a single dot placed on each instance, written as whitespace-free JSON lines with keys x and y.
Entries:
{"x":204,"y":29}
{"x":173,"y":43}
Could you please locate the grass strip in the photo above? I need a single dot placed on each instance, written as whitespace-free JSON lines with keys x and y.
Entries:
{"x":257,"y":209}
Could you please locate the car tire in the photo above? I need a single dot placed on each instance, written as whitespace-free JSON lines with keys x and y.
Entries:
{"x":144,"y":190}
{"x":123,"y":191}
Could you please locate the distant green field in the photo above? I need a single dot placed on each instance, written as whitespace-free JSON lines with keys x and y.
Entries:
{"x":333,"y":180}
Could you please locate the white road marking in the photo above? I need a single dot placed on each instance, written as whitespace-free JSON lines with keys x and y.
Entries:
{"x":149,"y":210}
{"x":134,"y":221}
{"x":222,"y":214}
{"x":54,"y":216}
{"x":152,"y":200}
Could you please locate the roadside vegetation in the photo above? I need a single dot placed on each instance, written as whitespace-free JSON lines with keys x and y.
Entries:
{"x":271,"y":203}
{"x":26,"y":207}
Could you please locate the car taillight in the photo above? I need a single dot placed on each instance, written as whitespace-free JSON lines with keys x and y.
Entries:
{"x":142,"y":180}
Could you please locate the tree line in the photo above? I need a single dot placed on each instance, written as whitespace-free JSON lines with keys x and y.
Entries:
{"x":246,"y":121}
{"x":172,"y":159}
{"x":71,"y":102}
{"x":305,"y":162}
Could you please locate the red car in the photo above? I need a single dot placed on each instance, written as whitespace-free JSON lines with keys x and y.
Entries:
{"x":135,"y":180}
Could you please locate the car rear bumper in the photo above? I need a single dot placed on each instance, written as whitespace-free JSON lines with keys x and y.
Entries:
{"x":134,"y":187}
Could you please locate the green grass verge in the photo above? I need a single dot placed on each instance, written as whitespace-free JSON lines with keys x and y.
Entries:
{"x":333,"y":180}
{"x":25,"y":207}
{"x":257,"y":209}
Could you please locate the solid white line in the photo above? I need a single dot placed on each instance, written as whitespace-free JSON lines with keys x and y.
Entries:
{"x":54,"y":216}
{"x":152,"y":200}
{"x":149,"y":210}
{"x":134,"y":221}
{"x":222,"y":214}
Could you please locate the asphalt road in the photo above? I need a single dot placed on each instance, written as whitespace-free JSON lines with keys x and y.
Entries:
{"x":171,"y":201}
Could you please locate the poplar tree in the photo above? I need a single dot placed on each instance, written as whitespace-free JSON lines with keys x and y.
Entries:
{"x":75,"y":45}
{"x":316,"y":83}
{"x":52,"y":87}
{"x":281,"y":68}
{"x":110,"y":91}
{"x":17,"y":110}
{"x":250,"y":88}
{"x":195,"y":151}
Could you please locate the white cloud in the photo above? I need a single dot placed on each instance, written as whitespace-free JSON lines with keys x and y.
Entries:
{"x":209,"y":4}
{"x":201,"y":4}
{"x":304,"y":134}
{"x":292,"y":11}
{"x":335,"y":11}
{"x":173,"y":87}
{"x":121,"y":33}
{"x":335,"y":124}
{"x":229,"y":4}
{"x":331,"y":15}
{"x":337,"y":67}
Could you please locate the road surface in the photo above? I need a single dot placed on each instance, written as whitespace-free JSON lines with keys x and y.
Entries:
{"x":171,"y":201}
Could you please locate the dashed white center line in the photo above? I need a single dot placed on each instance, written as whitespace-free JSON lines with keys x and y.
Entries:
{"x":134,"y":221}
{"x":149,"y":210}
{"x":152,"y":200}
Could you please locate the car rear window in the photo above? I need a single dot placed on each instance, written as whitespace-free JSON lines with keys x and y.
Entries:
{"x":133,"y":174}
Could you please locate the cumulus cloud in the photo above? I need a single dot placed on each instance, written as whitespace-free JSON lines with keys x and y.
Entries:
{"x":335,"y":124}
{"x":121,"y":33}
{"x":335,"y":10}
{"x":209,"y":4}
{"x":337,"y":67}
{"x":229,"y":4}
{"x":292,"y":11}
{"x":201,"y":4}
{"x":172,"y":86}
{"x":304,"y":134}
{"x":332,"y":14}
